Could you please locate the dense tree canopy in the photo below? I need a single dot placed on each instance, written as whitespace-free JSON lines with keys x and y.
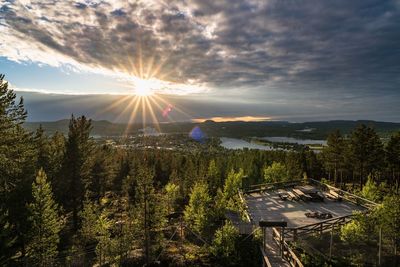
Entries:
{"x":105,"y":203}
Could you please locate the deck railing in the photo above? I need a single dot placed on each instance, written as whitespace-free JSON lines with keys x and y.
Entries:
{"x":288,"y":254}
{"x":319,"y":227}
{"x":366,"y":203}
{"x":269,"y":186}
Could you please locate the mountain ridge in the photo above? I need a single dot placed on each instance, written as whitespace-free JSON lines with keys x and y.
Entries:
{"x":238,"y":129}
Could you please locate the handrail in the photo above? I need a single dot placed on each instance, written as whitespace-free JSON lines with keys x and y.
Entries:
{"x":265,"y":258}
{"x":290,"y":256}
{"x":275,"y":183}
{"x":347,"y":195}
{"x":294,"y":232}
{"x":328,"y":221}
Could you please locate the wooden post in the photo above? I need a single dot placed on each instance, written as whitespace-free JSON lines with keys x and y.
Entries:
{"x":320,"y":230}
{"x":281,"y":240}
{"x":331,"y":243}
{"x":263,"y":234}
{"x":380,"y":246}
{"x":294,"y":235}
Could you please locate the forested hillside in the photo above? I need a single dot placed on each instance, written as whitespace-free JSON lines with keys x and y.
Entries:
{"x":66,"y":200}
{"x":306,"y":130}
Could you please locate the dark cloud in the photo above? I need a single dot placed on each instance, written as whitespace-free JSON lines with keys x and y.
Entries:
{"x":293,"y":45}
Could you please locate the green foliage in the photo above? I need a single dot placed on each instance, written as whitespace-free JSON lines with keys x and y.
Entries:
{"x":277,"y":172}
{"x":334,"y":154}
{"x":89,"y":215}
{"x":46,"y":223}
{"x":14,"y":146}
{"x":150,"y":213}
{"x":371,"y":190}
{"x":172,"y":194}
{"x":7,"y":238}
{"x":353,"y":232}
{"x":232,"y":185}
{"x":365,"y":151}
{"x":213,"y":176}
{"x":75,"y":167}
{"x":224,"y":245}
{"x":393,"y":157}
{"x":122,"y":195}
{"x":101,"y":173}
{"x":197,"y":211}
{"x":388,"y":216}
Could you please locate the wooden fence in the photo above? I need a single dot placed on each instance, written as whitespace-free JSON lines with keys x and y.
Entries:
{"x":294,"y":232}
{"x":272,"y":186}
{"x":288,"y":254}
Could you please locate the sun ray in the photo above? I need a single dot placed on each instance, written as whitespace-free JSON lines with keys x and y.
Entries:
{"x":132,"y":116}
{"x":126,"y":108}
{"x":150,"y":64}
{"x":143,"y":113}
{"x":175,"y":107}
{"x":160,"y":108}
{"x":152,"y":114}
{"x":140,"y":59}
{"x":113,"y":105}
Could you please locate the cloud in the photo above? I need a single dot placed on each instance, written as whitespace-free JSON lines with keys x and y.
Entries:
{"x":255,"y":46}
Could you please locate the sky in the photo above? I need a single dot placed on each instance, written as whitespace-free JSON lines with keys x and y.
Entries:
{"x":295,"y":60}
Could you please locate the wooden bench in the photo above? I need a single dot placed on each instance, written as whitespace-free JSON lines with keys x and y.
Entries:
{"x":283,"y":194}
{"x":333,"y":195}
{"x":301,"y":194}
{"x":291,"y":195}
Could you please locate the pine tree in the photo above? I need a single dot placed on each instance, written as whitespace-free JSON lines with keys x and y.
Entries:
{"x":393,"y":157}
{"x":333,"y":153}
{"x":277,"y":172}
{"x":101,"y":173}
{"x":225,"y":244}
{"x":232,"y":184}
{"x":213,"y":176}
{"x":197,"y":211}
{"x":16,"y":161}
{"x":7,"y":238}
{"x":42,"y":150}
{"x":76,"y":166}
{"x":46,"y":223}
{"x":150,"y":212}
{"x":12,"y":137}
{"x":366,"y":151}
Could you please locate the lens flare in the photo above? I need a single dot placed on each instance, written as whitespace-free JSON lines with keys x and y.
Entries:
{"x":167,"y":110}
{"x":197,"y":134}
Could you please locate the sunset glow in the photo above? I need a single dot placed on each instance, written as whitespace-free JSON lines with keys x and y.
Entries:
{"x":225,"y":119}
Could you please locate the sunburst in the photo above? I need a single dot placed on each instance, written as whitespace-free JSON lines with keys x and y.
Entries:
{"x":147,"y":81}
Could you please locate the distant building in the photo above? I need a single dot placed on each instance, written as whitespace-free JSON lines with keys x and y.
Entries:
{"x":149,"y":131}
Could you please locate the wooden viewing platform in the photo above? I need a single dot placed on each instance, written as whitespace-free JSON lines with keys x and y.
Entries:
{"x":289,"y":202}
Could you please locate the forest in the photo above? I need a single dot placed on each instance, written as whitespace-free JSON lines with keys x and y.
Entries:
{"x":66,"y":200}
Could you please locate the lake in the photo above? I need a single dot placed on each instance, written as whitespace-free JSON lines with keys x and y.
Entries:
{"x":292,"y":140}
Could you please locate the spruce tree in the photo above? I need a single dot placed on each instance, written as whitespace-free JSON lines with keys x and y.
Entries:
{"x":76,"y":166}
{"x":16,"y":161}
{"x":365,"y":151}
{"x":42,"y":150}
{"x":393,"y":157}
{"x":149,"y":211}
{"x":7,"y":238}
{"x":46,"y":223}
{"x":197,"y":211}
{"x":333,"y":153}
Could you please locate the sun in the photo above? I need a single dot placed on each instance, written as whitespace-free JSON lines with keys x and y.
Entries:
{"x":145,"y":87}
{"x":143,"y":91}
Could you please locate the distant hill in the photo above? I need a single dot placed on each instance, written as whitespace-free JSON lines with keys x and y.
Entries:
{"x":309,"y":130}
